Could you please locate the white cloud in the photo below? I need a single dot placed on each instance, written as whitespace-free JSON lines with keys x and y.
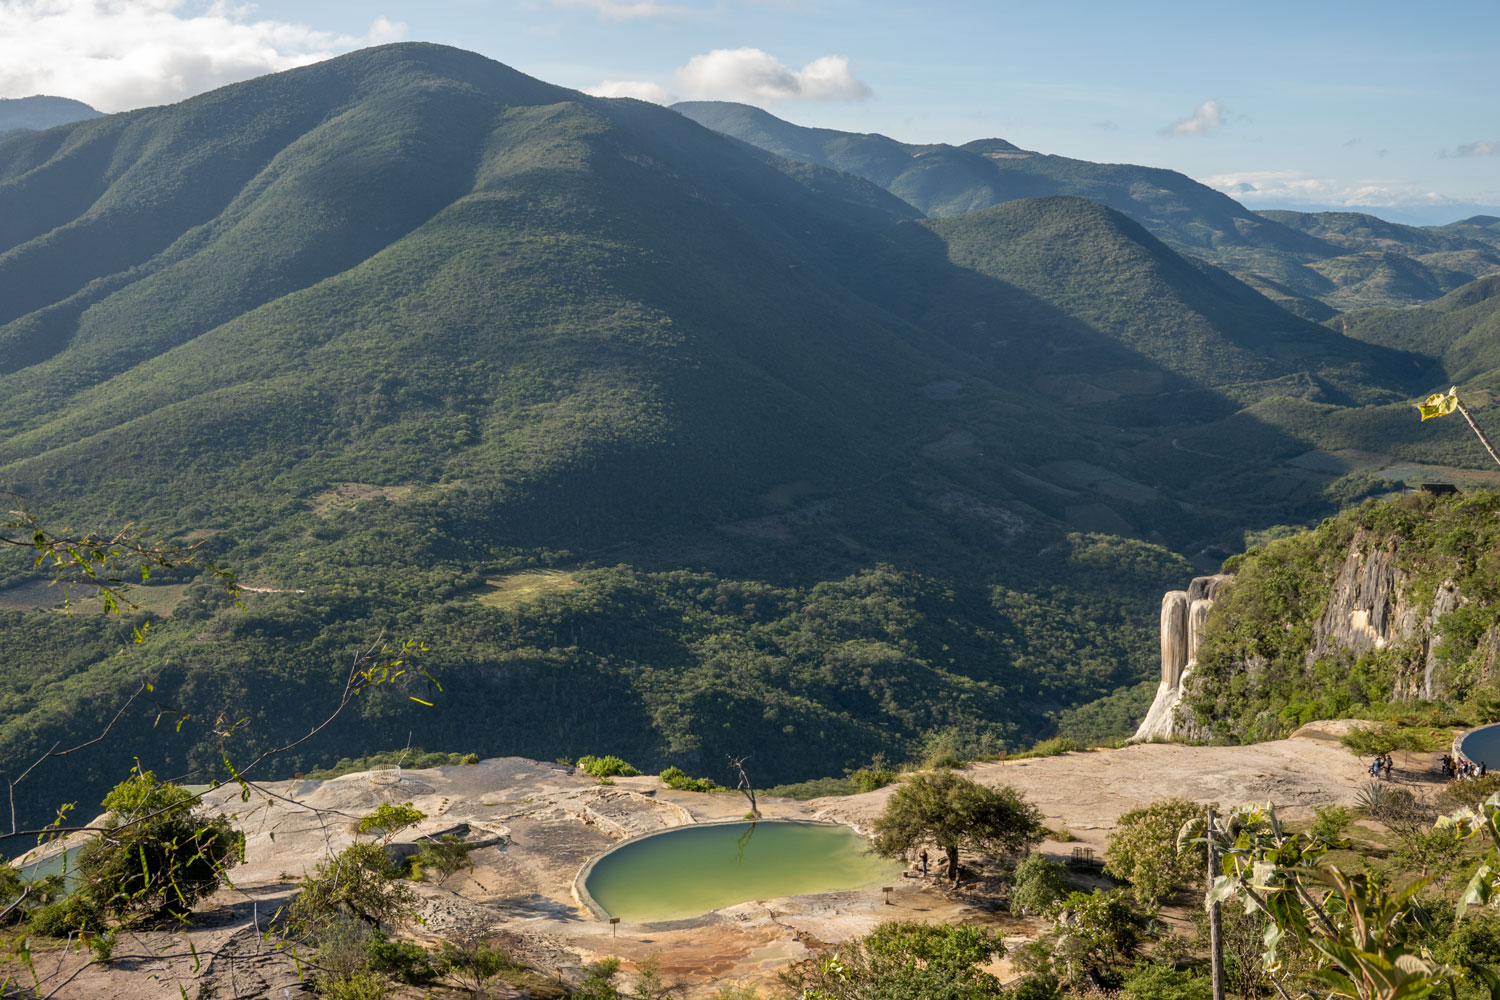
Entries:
{"x":122,"y":54}
{"x":755,"y":75}
{"x":1206,"y":117}
{"x":745,"y":75}
{"x":624,"y":10}
{"x":1480,"y":148}
{"x":1291,"y":187}
{"x":639,"y":89}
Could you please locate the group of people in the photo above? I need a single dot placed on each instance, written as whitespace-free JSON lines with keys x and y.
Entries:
{"x":1462,"y":768}
{"x":1384,"y":763}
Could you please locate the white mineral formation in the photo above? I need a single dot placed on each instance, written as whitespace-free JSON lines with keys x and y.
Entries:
{"x":1183,"y":613}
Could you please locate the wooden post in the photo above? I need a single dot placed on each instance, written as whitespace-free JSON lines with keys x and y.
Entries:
{"x":1215,"y":918}
{"x":614,"y":926}
{"x":1482,"y":439}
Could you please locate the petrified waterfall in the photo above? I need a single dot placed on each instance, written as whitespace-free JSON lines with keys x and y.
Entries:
{"x":1183,"y":613}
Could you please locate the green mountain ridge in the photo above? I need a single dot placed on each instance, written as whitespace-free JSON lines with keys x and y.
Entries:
{"x":1294,"y":258}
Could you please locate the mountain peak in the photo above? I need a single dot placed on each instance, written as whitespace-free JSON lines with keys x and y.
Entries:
{"x":41,"y":111}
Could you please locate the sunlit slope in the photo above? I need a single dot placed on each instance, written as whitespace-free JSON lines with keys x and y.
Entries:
{"x":1195,"y":321}
{"x":469,"y":287}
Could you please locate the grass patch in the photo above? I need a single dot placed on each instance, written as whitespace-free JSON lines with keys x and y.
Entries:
{"x":520,"y":588}
{"x":159,"y":599}
{"x":343,"y":496}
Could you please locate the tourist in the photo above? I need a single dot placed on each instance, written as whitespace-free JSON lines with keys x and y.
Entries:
{"x":1388,"y":763}
{"x":924,"y":864}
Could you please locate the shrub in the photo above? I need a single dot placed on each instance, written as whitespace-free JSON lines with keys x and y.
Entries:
{"x":1056,"y":746}
{"x":1143,"y":850}
{"x":1038,"y":883}
{"x":675,"y":777}
{"x":1162,"y":982}
{"x":446,"y":856}
{"x":154,"y":855}
{"x":401,"y":960}
{"x":1332,"y":821}
{"x":361,"y":881}
{"x":356,"y":986}
{"x":876,"y":775}
{"x":606,"y":767}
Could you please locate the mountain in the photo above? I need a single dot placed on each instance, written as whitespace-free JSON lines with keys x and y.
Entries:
{"x":27,"y":114}
{"x":942,"y":180}
{"x":663,"y":445}
{"x":1312,"y":264}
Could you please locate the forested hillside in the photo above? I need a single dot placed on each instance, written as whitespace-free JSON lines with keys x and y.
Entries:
{"x":1313,"y":264}
{"x":660,"y":444}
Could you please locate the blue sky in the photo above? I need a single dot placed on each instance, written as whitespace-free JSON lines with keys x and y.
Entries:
{"x":1301,"y":105}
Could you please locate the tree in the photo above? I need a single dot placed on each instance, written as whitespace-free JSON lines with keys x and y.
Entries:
{"x":956,"y":812}
{"x":445,"y":856}
{"x":1143,"y":850}
{"x":361,"y":880}
{"x":389,"y":820}
{"x":1094,"y":934}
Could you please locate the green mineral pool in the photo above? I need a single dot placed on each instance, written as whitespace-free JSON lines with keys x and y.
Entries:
{"x":692,"y":870}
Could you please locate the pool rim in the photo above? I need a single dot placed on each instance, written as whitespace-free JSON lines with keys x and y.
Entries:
{"x":584,"y":898}
{"x":1461,"y":738}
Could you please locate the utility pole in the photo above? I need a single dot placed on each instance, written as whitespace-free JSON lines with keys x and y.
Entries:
{"x":1215,"y":918}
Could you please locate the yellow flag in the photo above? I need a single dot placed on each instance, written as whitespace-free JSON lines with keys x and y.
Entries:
{"x":1438,"y":404}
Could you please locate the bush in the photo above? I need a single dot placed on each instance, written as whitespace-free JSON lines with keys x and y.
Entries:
{"x":1143,"y":850}
{"x":357,"y":986}
{"x":876,"y":775}
{"x":1332,"y":821}
{"x":360,"y":881}
{"x":1038,"y":883}
{"x":154,"y":855}
{"x":1056,"y":746}
{"x":61,"y":918}
{"x":675,"y":777}
{"x":606,"y":767}
{"x":1162,"y":982}
{"x":400,"y":960}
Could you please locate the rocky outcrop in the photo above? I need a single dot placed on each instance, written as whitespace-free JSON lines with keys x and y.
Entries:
{"x":1183,"y":614}
{"x":1373,"y":605}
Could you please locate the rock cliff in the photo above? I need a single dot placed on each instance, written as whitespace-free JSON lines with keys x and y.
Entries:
{"x":1396,"y":600}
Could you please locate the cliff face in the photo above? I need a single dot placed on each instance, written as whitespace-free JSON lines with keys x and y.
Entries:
{"x":1374,"y":604}
{"x":1393,"y":601}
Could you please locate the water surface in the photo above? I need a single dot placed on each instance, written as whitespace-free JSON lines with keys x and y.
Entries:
{"x":1483,"y":746}
{"x":695,"y":869}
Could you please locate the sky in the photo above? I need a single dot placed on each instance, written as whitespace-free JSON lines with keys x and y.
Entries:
{"x":1377,"y":106}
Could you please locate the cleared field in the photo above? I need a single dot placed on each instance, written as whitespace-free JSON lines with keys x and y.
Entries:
{"x":518,"y":588}
{"x":157,"y":599}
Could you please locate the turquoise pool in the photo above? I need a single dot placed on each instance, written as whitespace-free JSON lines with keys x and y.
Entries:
{"x":693,"y":870}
